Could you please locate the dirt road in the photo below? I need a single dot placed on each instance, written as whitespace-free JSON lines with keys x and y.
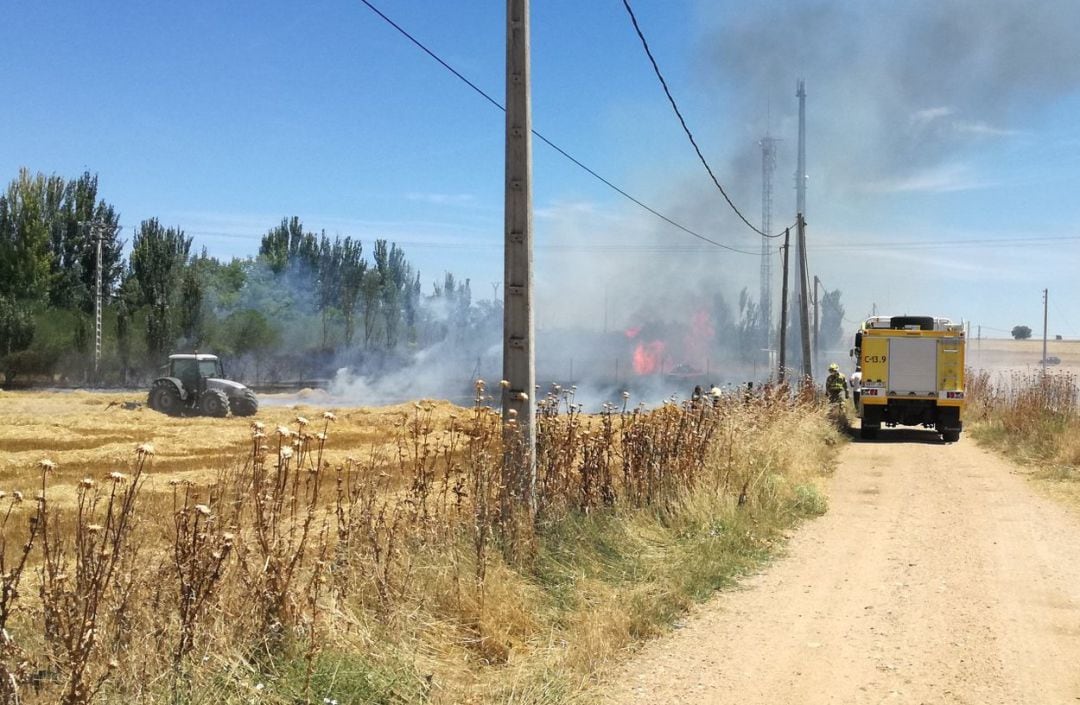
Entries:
{"x":939,"y":575}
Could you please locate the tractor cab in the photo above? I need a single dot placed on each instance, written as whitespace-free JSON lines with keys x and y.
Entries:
{"x":196,"y":366}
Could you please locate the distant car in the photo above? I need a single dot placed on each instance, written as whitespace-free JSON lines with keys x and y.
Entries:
{"x":684,"y":370}
{"x":1052,"y":360}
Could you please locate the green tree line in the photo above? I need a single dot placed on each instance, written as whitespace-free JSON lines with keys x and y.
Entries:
{"x":304,"y":303}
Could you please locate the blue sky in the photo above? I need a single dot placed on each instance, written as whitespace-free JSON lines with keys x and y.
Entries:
{"x":950,"y":122}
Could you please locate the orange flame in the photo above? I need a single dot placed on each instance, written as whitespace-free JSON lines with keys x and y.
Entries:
{"x":648,"y":357}
{"x":699,"y":338}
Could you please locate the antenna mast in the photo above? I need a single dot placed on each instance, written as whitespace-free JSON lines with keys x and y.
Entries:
{"x":768,"y":167}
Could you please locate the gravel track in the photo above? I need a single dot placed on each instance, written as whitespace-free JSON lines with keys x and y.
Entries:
{"x":939,"y":575}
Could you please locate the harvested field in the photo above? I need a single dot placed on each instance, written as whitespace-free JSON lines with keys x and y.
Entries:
{"x":1010,"y":355}
{"x":91,"y":433}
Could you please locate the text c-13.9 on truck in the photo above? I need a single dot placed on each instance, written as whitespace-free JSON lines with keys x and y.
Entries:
{"x":909,"y":371}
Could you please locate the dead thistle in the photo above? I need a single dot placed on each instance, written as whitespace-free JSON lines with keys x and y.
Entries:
{"x":75,"y":588}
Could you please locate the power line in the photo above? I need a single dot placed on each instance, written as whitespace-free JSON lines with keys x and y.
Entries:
{"x":945,"y":244}
{"x":682,"y":121}
{"x":657,"y":248}
{"x":548,"y":142}
{"x":624,"y":193}
{"x":835,"y":306}
{"x":1058,"y":314}
{"x":612,"y":247}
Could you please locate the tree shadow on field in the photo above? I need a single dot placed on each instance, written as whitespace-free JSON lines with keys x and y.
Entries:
{"x":902,"y":435}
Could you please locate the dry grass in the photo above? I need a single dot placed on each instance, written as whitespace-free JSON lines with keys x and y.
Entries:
{"x":369,"y":557}
{"x":1033,"y":419}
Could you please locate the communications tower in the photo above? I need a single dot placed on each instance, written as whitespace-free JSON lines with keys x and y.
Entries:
{"x":768,"y":167}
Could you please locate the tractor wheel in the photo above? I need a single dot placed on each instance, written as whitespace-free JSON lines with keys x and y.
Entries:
{"x":869,"y":433}
{"x":950,"y":436}
{"x":165,"y":397}
{"x":244,"y":404}
{"x":214,"y":403}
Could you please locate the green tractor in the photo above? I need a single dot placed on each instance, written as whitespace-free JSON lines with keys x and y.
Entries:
{"x":196,"y":385}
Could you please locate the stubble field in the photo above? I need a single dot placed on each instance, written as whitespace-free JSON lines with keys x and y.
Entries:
{"x":1017,"y":355}
{"x":88,"y":434}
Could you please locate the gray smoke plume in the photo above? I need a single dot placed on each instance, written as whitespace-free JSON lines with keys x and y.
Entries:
{"x":901,"y":95}
{"x":902,"y":98}
{"x":896,"y":89}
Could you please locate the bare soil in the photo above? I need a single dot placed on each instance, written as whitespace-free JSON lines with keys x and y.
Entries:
{"x":940,"y":574}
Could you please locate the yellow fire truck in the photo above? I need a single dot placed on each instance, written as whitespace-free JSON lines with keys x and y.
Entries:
{"x":909,"y":371}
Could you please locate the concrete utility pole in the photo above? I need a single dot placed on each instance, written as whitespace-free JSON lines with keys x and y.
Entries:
{"x":1046,"y":305}
{"x":784,"y":308}
{"x":804,"y":287}
{"x":817,"y":322}
{"x":519,"y":354}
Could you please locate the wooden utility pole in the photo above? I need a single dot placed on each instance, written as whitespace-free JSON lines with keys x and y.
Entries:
{"x":519,"y":354}
{"x":784,"y":308}
{"x":804,"y":286}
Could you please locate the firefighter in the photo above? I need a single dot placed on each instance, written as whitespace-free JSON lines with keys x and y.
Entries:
{"x":835,"y":384}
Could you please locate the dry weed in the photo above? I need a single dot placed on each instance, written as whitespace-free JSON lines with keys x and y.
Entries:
{"x":266,"y":563}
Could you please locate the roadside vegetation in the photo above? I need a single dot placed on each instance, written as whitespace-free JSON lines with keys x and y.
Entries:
{"x":392,"y":572}
{"x":1031,"y":417}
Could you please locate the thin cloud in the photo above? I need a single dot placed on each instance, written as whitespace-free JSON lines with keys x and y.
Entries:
{"x":982,"y":129}
{"x":443,"y":199}
{"x":943,"y":119}
{"x":564,"y":210}
{"x":931,"y":114}
{"x":947,"y":178}
{"x":252,"y":225}
{"x":973,"y":271}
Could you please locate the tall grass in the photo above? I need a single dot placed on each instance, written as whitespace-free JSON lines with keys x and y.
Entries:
{"x":1032,"y":416}
{"x":401,"y":577}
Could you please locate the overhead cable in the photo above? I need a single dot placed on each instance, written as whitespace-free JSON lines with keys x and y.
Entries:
{"x":983,"y":243}
{"x":548,"y":142}
{"x":835,"y":306}
{"x":686,"y":129}
{"x":598,"y":247}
